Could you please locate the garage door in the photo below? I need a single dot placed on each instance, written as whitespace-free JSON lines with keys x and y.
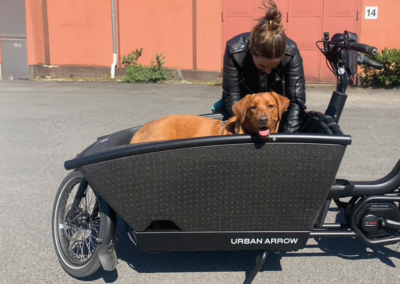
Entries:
{"x":304,"y":21}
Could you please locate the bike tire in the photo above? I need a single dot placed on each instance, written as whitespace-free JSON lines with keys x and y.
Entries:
{"x":77,"y":242}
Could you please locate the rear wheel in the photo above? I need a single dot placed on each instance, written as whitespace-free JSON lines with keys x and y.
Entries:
{"x":79,"y":235}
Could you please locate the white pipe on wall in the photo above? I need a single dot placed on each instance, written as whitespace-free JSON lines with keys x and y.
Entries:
{"x":114,"y":63}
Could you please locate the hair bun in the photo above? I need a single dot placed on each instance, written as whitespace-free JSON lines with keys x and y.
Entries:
{"x":268,"y":38}
{"x":272,"y":15}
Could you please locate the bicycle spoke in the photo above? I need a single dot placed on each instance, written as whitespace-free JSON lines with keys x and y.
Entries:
{"x":94,"y":228}
{"x":91,"y":202}
{"x":81,"y":249}
{"x":89,"y":252}
{"x":81,"y":234}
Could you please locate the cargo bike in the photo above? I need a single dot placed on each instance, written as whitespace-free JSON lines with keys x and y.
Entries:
{"x":226,"y":193}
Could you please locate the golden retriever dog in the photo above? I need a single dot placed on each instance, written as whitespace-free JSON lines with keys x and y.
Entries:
{"x":255,"y":114}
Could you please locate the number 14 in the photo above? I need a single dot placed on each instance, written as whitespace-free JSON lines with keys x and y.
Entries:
{"x":371,"y":13}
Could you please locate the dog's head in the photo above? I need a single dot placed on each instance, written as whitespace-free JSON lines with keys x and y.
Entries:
{"x":260,"y":113}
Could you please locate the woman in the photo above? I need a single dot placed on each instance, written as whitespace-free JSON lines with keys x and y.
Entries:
{"x":263,"y":61}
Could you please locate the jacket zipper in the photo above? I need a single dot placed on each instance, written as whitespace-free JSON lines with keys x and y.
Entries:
{"x":248,"y":89}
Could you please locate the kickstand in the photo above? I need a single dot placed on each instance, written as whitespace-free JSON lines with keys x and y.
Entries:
{"x":260,"y":260}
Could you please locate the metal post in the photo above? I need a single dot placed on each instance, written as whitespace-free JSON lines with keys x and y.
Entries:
{"x":114,"y":63}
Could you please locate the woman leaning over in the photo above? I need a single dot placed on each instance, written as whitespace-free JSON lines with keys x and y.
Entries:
{"x":262,"y":61}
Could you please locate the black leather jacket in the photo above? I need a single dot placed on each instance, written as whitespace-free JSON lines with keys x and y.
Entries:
{"x":240,"y":77}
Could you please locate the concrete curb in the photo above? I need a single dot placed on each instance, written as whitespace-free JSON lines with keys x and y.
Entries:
{"x":46,"y":71}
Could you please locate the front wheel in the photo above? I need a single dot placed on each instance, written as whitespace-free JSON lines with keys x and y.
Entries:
{"x":79,"y":234}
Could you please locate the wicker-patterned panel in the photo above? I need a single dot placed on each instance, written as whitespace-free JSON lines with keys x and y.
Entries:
{"x":272,"y":186}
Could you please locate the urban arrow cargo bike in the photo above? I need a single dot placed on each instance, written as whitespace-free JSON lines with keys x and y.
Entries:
{"x":225,"y":193}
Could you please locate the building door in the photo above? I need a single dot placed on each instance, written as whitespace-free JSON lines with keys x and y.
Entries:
{"x":305,"y":28}
{"x":14,"y":49}
{"x":240,"y":16}
{"x":304,"y":21}
{"x":339,"y":15}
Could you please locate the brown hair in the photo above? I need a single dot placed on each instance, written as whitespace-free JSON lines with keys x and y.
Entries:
{"x":268,"y":37}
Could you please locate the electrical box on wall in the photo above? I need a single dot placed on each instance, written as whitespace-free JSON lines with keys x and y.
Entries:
{"x":13,"y":40}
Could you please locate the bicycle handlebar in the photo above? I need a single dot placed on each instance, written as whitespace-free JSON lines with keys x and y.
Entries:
{"x":367,"y":49}
{"x":361,"y":59}
{"x":342,"y":53}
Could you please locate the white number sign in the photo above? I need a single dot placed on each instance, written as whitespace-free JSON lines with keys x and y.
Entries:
{"x":371,"y":13}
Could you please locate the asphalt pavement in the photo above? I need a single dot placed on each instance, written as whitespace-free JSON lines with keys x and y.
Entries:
{"x":42,"y":124}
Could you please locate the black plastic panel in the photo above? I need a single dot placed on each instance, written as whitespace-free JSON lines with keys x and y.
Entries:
{"x":119,"y":138}
{"x":387,"y":184}
{"x":229,"y":187}
{"x":111,"y":147}
{"x":219,"y":241}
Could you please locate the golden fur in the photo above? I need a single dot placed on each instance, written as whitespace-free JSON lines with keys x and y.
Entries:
{"x":255,"y":114}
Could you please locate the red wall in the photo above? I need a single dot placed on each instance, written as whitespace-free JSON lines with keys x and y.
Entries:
{"x":80,"y":32}
{"x":385,"y":31}
{"x":158,"y":27}
{"x":209,"y":35}
{"x":34,"y":29}
{"x":167,"y":27}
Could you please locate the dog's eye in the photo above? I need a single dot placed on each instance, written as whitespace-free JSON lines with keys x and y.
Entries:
{"x":271,"y":106}
{"x":253,"y":108}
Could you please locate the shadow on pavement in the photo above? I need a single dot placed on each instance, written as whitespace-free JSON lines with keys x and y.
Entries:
{"x":239,"y":261}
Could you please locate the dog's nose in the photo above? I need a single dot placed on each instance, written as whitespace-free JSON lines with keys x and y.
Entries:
{"x":263,"y":120}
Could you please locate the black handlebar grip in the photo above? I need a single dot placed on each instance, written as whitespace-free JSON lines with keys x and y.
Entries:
{"x":363,"y":48}
{"x":365,"y":60}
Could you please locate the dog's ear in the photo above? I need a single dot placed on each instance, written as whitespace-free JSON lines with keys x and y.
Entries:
{"x":229,"y":127}
{"x":282,"y":103}
{"x":233,"y":126}
{"x":239,"y":108}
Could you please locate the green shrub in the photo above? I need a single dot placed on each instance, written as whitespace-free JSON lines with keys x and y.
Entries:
{"x":132,"y":58}
{"x":389,"y":75}
{"x":137,"y":73}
